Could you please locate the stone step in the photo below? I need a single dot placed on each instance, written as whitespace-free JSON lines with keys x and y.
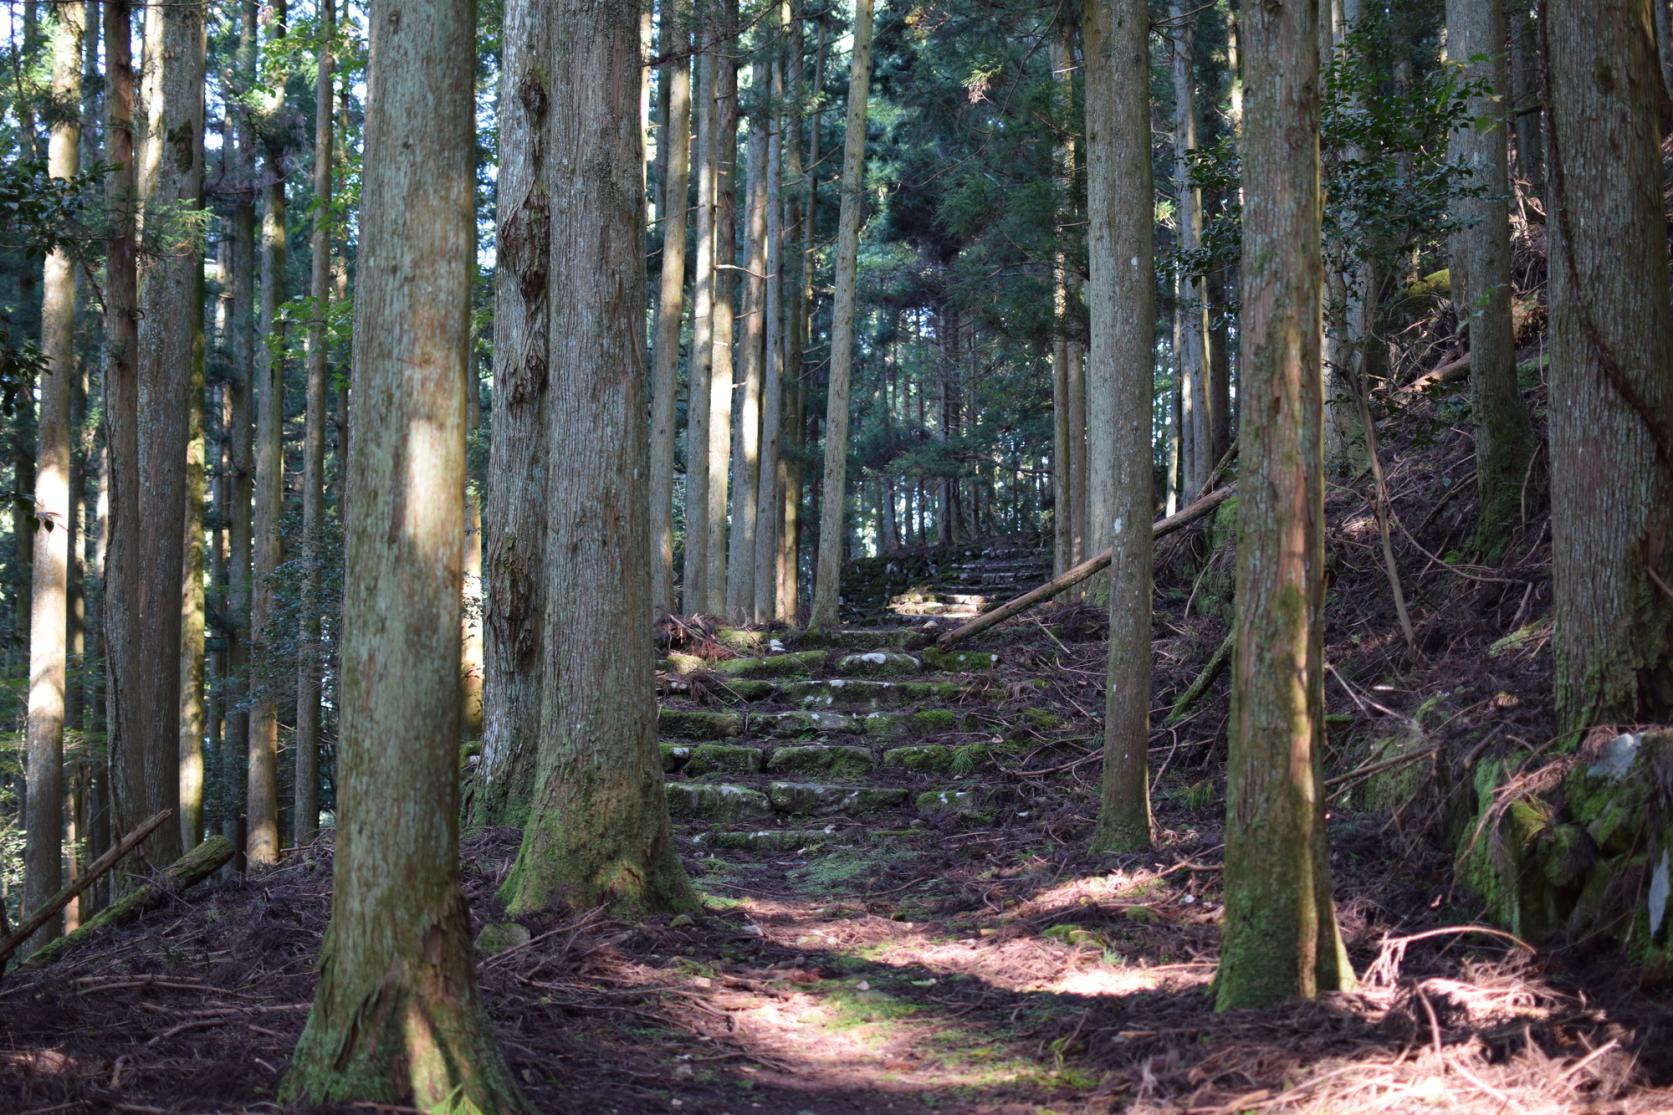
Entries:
{"x":878,"y":663}
{"x":872,"y":693}
{"x":948,"y":611}
{"x":940,"y":596}
{"x":730,"y":801}
{"x":831,"y":760}
{"x":862,"y":638}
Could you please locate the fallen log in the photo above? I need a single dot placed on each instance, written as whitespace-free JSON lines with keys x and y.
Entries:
{"x":1071,"y":577}
{"x":1216,"y":665}
{"x":26,"y":928}
{"x":193,"y":867}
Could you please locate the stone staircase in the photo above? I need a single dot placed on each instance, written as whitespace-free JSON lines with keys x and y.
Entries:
{"x":801,"y":744}
{"x":952,"y":584}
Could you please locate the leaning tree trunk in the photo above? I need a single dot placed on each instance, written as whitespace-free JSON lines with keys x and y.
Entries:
{"x":674,"y":151}
{"x":598,"y":830}
{"x":753,"y":356}
{"x":1119,"y":373}
{"x":1504,"y":437}
{"x":1279,"y":936}
{"x":724,"y":140}
{"x":396,"y":1017}
{"x":516,"y":519}
{"x":827,"y":578}
{"x":170,"y":344}
{"x":262,"y":790}
{"x":305,"y":793}
{"x":49,"y":596}
{"x":1611,"y":367}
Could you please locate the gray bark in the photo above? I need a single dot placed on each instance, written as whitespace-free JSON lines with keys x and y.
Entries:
{"x":753,"y":357}
{"x":674,"y":152}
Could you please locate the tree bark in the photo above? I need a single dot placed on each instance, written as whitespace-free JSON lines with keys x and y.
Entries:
{"x":1279,"y":936}
{"x":827,"y":578}
{"x":598,"y":832}
{"x":516,"y":519}
{"x":695,"y":568}
{"x":721,"y":365}
{"x":1063,"y":432}
{"x":753,"y":357}
{"x":1525,"y":105}
{"x":674,"y":151}
{"x":1120,"y":364}
{"x":1192,"y":310}
{"x":764,"y":602}
{"x":396,"y":1016}
{"x":1611,"y":367}
{"x":50,"y":570}
{"x":305,"y":792}
{"x":262,"y":792}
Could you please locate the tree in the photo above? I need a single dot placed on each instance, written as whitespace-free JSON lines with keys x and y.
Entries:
{"x":1279,"y":935}
{"x":49,"y":600}
{"x":262,"y":791}
{"x":396,"y":1016}
{"x":675,"y":149}
{"x":1611,"y":367}
{"x":1191,"y":312}
{"x":754,"y":357}
{"x":516,"y":519}
{"x":1504,"y":437}
{"x":724,"y":153}
{"x":829,"y":572}
{"x":598,"y":829}
{"x":305,"y":800}
{"x":1121,"y":302}
{"x":695,"y":571}
{"x":782,"y":215}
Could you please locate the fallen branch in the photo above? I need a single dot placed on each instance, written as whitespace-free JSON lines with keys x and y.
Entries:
{"x":1071,"y":577}
{"x":193,"y":867}
{"x":1216,"y":666}
{"x":64,"y":897}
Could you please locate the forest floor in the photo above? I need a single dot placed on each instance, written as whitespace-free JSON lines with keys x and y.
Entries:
{"x":988,"y":964}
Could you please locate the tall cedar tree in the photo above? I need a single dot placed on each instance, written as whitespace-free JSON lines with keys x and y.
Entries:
{"x":1279,"y":935}
{"x":1611,"y":366}
{"x":396,"y":1017}
{"x":675,"y":150}
{"x":598,"y":829}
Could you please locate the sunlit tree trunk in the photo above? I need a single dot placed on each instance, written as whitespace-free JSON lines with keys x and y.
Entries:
{"x":1063,"y":433}
{"x":695,"y":568}
{"x":799,"y":314}
{"x":598,"y":829}
{"x":305,"y":794}
{"x":473,"y":598}
{"x":780,"y":202}
{"x":753,"y":358}
{"x":725,"y":153}
{"x":674,"y":152}
{"x":262,"y":792}
{"x":396,"y":1016}
{"x":1611,"y":367}
{"x":516,"y":518}
{"x":1481,"y":289}
{"x":1119,"y":369}
{"x":49,"y":598}
{"x":1195,"y":415}
{"x":827,"y":578}
{"x":1279,"y":936}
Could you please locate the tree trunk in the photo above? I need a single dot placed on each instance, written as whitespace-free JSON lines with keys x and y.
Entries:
{"x":241,"y":446}
{"x":1192,"y":309}
{"x":695,"y":571}
{"x":49,"y":599}
{"x":753,"y":354}
{"x":305,"y":793}
{"x":1611,"y":367}
{"x":1063,"y":431}
{"x":780,"y":334}
{"x":721,"y":369}
{"x":1525,"y":103}
{"x":674,"y":151}
{"x":1481,"y":289}
{"x":396,"y":1016}
{"x":1279,"y":936}
{"x":262,"y":792}
{"x":1120,"y":362}
{"x":517,"y":508}
{"x":826,"y":582}
{"x":598,"y":832}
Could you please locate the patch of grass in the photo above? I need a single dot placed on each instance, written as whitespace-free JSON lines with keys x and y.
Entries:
{"x":831,"y":871}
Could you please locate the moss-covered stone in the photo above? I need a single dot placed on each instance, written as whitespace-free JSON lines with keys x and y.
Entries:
{"x":678,"y":663}
{"x":963,"y":803}
{"x":871,"y":693}
{"x":795,"y":664}
{"x":674,"y":756}
{"x":770,"y":840}
{"x":822,"y":758}
{"x":817,"y":797}
{"x":920,"y":758}
{"x":717,"y":801}
{"x":959,"y":661}
{"x":743,"y":640}
{"x":723,"y":758}
{"x":501,"y":937}
{"x":1391,"y":788}
{"x":802,"y":722}
{"x":916,"y":725}
{"x":856,"y":638}
{"x":878,"y":663}
{"x":698,"y":724}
